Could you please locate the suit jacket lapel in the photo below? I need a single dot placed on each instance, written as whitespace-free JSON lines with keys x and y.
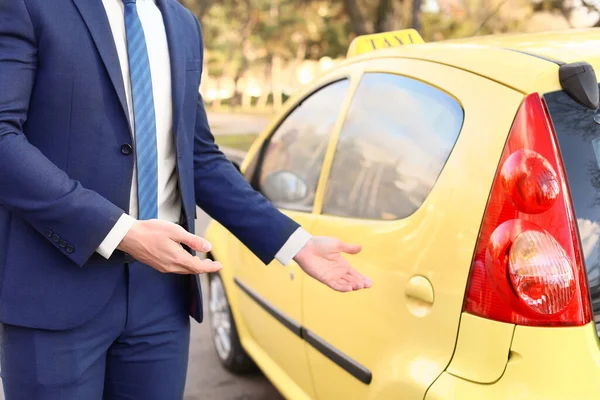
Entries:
{"x":96,"y":20}
{"x":177,"y":56}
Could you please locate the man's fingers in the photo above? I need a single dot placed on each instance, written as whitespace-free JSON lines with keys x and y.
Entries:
{"x":356,"y":283}
{"x":192,"y":241}
{"x":341,"y":286}
{"x":210,"y":266}
{"x":180,"y":271}
{"x":351,"y":248}
{"x":195,"y":268}
{"x":204,"y":266}
{"x":368,"y":282}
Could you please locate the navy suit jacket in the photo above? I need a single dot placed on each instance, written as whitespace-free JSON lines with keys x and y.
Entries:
{"x":64,"y":181}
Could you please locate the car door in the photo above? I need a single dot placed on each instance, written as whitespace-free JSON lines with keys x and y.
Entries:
{"x":286,"y":171}
{"x":389,"y":180}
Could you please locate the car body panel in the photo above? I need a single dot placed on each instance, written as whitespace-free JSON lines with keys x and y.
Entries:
{"x":248,"y":315}
{"x":566,"y":46}
{"x":274,"y":372}
{"x":406,"y":352}
{"x":281,"y":288}
{"x":545,"y":364}
{"x":482,"y":349}
{"x":496,"y":64}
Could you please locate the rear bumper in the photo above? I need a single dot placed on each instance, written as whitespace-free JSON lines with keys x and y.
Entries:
{"x":544,"y":363}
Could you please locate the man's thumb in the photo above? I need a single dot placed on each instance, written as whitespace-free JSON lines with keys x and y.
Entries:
{"x":351,"y":248}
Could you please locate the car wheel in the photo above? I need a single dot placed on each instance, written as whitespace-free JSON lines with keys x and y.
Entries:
{"x":225,"y":337}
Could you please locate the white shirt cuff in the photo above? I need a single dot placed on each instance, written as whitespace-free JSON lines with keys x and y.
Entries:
{"x":115,"y":236}
{"x":294,"y":244}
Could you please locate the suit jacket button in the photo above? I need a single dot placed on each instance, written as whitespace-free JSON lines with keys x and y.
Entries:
{"x":49,"y":234}
{"x":126,"y":149}
{"x":62,"y":244}
{"x":70,"y":249}
{"x":55,"y":238}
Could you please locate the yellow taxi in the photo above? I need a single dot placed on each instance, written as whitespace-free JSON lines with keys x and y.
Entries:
{"x":469,"y":170}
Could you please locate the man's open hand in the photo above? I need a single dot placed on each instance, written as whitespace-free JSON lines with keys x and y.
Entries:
{"x":322,"y":259}
{"x":158,"y":244}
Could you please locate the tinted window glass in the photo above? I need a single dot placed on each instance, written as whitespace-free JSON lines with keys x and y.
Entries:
{"x":394,"y":143}
{"x":578,"y":136}
{"x":294,"y":156}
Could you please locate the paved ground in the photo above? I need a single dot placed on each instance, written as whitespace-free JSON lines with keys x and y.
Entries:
{"x":208,"y":381}
{"x":236,"y":124}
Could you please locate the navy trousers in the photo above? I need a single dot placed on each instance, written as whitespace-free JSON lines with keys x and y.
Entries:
{"x":136,"y":348}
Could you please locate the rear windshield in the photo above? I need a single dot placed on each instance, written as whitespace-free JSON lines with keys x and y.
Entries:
{"x":578,"y":132}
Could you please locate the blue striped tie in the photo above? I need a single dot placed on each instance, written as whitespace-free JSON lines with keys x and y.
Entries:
{"x":143,"y":112}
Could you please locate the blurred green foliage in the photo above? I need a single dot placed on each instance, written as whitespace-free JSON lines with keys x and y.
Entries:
{"x":238,"y":142}
{"x":266,"y":35}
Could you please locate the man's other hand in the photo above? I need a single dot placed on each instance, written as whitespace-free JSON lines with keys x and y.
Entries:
{"x":159,"y":245}
{"x":322,"y":259}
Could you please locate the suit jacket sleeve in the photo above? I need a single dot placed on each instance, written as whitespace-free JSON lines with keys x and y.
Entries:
{"x":223,"y":193}
{"x":31,"y":186}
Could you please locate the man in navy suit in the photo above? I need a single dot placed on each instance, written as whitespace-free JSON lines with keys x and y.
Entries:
{"x":105,"y":151}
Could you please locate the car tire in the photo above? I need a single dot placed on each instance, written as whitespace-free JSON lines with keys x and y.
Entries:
{"x":226,"y":340}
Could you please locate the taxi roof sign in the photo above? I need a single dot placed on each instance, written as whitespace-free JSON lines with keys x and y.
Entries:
{"x":376,"y":41}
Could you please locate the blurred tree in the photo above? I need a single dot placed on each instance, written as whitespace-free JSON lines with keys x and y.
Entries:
{"x":198,"y":7}
{"x":567,"y":8}
{"x":227,"y":27}
{"x":554,"y":5}
{"x":416,"y":10}
{"x":368,"y":16}
{"x":267,"y":40}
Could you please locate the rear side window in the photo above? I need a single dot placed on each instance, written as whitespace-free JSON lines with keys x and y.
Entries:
{"x":578,"y":134}
{"x":396,"y":138}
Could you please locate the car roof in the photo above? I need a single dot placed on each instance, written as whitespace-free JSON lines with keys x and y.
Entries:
{"x":525,"y":62}
{"x":566,"y":46}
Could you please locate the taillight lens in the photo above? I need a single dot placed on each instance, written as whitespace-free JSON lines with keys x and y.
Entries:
{"x":529,"y":181}
{"x":527,"y":267}
{"x":541,"y":273}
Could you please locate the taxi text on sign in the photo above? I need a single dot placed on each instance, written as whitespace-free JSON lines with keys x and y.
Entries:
{"x":376,"y":41}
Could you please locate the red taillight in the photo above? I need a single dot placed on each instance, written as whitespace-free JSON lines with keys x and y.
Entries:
{"x":529,"y":181}
{"x":528,"y":268}
{"x":541,"y":273}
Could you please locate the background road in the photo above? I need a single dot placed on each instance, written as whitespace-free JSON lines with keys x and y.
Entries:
{"x":222,"y":123}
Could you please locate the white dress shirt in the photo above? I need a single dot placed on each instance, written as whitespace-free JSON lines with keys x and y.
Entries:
{"x":169,"y":198}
